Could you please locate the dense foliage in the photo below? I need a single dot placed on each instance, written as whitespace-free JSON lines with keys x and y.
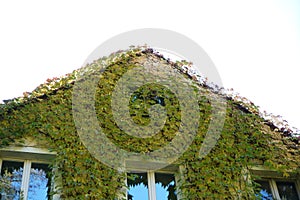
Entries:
{"x":46,"y":114}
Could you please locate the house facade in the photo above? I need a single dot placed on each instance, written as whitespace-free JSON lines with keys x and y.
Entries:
{"x":56,"y":144}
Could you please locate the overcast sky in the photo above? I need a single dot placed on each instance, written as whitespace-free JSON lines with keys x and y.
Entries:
{"x":255,"y":44}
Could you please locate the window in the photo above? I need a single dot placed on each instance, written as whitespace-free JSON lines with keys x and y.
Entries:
{"x":26,"y":179}
{"x":278,"y":189}
{"x":151,"y":186}
{"x":25,"y":173}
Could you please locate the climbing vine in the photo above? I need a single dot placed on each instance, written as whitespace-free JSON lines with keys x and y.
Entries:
{"x":46,"y":114}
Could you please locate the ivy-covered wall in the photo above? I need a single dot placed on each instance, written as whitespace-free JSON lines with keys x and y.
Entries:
{"x":245,"y":140}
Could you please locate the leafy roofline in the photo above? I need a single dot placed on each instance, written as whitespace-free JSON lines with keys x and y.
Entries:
{"x":51,"y":85}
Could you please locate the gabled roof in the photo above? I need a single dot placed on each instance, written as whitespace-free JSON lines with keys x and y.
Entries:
{"x":52,"y":85}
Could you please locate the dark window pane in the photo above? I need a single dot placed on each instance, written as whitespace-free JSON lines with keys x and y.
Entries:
{"x":138,"y":186}
{"x":265,"y":190}
{"x":11,"y":176}
{"x":165,"y":186}
{"x":39,"y":182}
{"x":287,"y":190}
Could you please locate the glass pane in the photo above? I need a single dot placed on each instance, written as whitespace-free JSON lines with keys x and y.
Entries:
{"x":265,"y":192}
{"x":165,"y":186}
{"x":11,"y":179}
{"x":39,"y":182}
{"x":138,"y":186}
{"x":287,"y":190}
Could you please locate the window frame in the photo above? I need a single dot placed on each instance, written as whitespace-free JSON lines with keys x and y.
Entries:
{"x":29,"y":155}
{"x":274,"y":188}
{"x":273,"y":176}
{"x":136,"y":166}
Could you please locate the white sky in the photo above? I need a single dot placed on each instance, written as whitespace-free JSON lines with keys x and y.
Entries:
{"x":255,"y":44}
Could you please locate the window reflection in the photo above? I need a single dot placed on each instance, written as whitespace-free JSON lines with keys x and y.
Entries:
{"x":39,"y":182}
{"x":11,"y":176}
{"x":265,"y":192}
{"x":165,"y":186}
{"x":287,"y":190}
{"x":138,"y":186}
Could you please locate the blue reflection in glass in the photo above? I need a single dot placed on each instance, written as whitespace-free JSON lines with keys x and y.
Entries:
{"x":138,"y":192}
{"x":39,"y":182}
{"x":265,"y":193}
{"x":138,"y":186}
{"x":11,"y":173}
{"x":165,"y":186}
